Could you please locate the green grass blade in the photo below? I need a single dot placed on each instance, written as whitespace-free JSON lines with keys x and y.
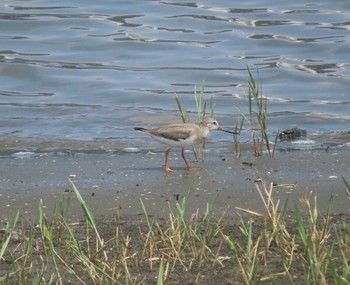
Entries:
{"x":347,"y":186}
{"x":202,"y":105}
{"x":196,"y":99}
{"x":5,"y":245}
{"x":181,"y":208}
{"x":251,"y":92}
{"x":301,"y":228}
{"x":41,"y":213}
{"x":145,"y":214}
{"x":88,"y":214}
{"x":212,"y":107}
{"x":181,"y":109}
{"x":160,"y":273}
{"x":249,"y":121}
{"x":90,"y":218}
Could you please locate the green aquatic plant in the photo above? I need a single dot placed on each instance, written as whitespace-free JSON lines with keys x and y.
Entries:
{"x":256,"y":117}
{"x":182,"y":111}
{"x":201,"y":114}
{"x":236,"y":137}
{"x":200,"y":106}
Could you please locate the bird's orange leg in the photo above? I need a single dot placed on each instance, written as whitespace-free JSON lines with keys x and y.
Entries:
{"x":167,"y":168}
{"x":188,"y":167}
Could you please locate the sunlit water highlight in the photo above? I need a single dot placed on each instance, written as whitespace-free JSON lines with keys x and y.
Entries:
{"x":91,"y":71}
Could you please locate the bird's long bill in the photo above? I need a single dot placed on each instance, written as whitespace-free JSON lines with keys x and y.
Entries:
{"x":226,"y":131}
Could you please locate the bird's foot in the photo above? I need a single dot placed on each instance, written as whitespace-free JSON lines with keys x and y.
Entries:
{"x":168,"y":169}
{"x":193,"y":168}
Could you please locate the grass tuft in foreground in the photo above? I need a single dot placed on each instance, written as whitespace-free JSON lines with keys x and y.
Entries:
{"x":276,"y":246}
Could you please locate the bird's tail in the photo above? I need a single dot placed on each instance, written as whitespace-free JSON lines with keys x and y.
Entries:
{"x":140,"y":129}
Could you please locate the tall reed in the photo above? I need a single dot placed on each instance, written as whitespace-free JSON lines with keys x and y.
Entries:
{"x":257,"y":117}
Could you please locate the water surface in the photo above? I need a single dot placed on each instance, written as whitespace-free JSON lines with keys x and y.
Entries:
{"x":91,"y":71}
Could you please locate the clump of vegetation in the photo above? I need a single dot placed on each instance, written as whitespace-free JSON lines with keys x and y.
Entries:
{"x":276,"y":246}
{"x":201,"y":106}
{"x":311,"y":245}
{"x":256,"y":118}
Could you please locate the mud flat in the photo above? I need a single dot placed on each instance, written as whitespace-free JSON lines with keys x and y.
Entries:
{"x":113,"y":182}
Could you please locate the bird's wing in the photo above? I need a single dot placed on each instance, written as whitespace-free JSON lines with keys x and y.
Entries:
{"x":175,"y":133}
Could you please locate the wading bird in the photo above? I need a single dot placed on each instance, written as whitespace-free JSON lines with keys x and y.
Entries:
{"x":182,"y":135}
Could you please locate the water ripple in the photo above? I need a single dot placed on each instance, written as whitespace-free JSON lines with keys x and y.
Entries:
{"x":296,"y":39}
{"x":75,"y":70}
{"x":21,"y":94}
{"x":312,"y":68}
{"x":20,"y":8}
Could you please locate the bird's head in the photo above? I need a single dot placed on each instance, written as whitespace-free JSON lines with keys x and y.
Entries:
{"x":213,"y":124}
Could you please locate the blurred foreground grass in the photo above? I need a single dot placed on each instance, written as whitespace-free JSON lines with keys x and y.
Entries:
{"x":278,"y":246}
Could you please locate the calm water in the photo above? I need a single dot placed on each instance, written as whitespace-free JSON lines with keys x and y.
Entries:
{"x":92,"y":70}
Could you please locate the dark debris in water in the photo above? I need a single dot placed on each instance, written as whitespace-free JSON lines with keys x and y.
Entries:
{"x":292,"y":134}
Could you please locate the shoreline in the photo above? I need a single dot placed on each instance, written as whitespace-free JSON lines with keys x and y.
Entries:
{"x":112,"y":183}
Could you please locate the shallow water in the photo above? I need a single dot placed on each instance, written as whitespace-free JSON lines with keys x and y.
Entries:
{"x":87,"y":70}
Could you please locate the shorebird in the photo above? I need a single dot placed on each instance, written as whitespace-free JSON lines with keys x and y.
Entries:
{"x":182,"y":135}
